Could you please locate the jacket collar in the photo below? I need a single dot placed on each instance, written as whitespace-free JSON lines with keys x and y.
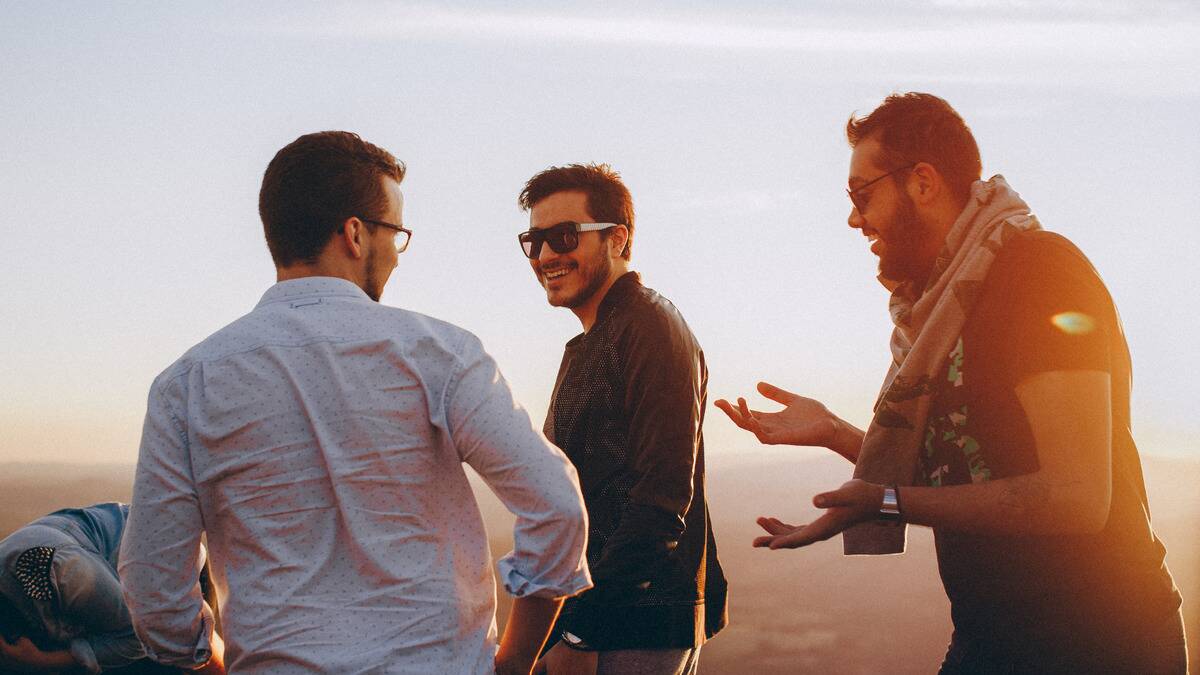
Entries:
{"x":625,"y":287}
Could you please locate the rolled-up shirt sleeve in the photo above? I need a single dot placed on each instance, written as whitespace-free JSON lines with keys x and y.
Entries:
{"x":161,"y":555}
{"x":534,"y":479}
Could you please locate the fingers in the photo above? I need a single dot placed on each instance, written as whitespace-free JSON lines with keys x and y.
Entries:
{"x":818,"y":530}
{"x":839,"y":497}
{"x":775,"y":393}
{"x":750,"y":417}
{"x":795,"y":538}
{"x":787,"y":536}
{"x":727,"y":408}
{"x":775,"y":526}
{"x":744,"y":410}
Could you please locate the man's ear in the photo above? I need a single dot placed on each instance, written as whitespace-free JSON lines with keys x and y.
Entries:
{"x":925,"y":183}
{"x":352,"y":237}
{"x":618,"y":238}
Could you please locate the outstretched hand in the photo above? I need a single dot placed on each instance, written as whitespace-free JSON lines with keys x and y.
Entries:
{"x":803,"y":421}
{"x":855,"y":502}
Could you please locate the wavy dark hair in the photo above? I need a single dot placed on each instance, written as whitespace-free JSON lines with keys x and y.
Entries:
{"x":917,"y":127}
{"x":608,"y":200}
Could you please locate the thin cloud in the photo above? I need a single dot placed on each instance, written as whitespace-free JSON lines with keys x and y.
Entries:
{"x":1006,"y":41}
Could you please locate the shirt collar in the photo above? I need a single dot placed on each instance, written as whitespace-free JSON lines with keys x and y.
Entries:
{"x":311,"y":287}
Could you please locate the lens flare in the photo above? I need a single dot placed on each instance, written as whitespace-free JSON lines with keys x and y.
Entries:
{"x":1074,"y":323}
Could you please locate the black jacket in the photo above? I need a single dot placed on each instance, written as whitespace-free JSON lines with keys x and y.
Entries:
{"x":627,"y":409}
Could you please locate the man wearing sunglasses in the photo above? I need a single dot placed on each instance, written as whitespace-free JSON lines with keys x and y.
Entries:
{"x":1003,"y":422}
{"x":627,"y":408}
{"x":319,"y":443}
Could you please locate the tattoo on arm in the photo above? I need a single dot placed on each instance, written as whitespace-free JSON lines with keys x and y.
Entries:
{"x":1032,"y":496}
{"x":1023,"y":496}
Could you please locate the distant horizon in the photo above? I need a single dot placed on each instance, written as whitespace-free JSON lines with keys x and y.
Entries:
{"x":719,"y":456}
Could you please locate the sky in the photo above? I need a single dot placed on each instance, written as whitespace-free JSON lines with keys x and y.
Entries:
{"x":133,"y":137}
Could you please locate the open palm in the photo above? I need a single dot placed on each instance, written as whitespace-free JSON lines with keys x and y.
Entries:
{"x":803,"y":421}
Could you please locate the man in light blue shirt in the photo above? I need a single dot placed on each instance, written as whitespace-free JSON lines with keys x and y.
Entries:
{"x":318,"y":443}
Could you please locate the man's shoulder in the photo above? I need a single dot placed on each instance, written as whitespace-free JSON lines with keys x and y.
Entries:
{"x":1042,"y":306}
{"x":1040,"y":264}
{"x":255,"y":330}
{"x":648,"y":312}
{"x":1032,"y":251}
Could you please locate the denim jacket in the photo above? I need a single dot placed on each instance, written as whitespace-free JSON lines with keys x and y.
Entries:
{"x":83,"y":610}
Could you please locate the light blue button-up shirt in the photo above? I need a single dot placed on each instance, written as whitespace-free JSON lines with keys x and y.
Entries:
{"x":318,"y":442}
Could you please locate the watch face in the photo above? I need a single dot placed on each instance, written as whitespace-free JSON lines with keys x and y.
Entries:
{"x":889,"y":510}
{"x":571,"y":638}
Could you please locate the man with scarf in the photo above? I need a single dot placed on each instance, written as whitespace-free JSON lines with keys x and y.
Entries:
{"x":1003,"y":422}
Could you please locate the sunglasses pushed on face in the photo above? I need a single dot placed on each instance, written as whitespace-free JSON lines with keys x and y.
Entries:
{"x":563,"y":237}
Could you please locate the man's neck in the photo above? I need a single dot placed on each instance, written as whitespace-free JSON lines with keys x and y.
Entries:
{"x":317,"y":269}
{"x":940,"y":222}
{"x":587,"y":311}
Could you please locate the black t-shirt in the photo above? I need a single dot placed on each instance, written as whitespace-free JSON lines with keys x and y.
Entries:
{"x":1042,"y":308}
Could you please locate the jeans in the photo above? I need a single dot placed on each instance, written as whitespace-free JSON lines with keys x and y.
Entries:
{"x":648,"y":662}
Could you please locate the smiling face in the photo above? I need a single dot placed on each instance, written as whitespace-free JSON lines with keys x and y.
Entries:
{"x":890,"y":219}
{"x":576,"y":278}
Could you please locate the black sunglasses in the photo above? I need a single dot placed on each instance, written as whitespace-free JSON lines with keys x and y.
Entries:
{"x":860,"y":200}
{"x":562,"y":237}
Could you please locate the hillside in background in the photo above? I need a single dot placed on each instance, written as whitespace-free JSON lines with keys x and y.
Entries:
{"x":811,"y":610}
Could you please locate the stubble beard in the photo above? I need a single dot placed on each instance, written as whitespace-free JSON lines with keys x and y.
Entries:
{"x":372,"y":287}
{"x":594,"y":277}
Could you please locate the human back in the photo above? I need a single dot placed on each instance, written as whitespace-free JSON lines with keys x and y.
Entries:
{"x":318,"y":443}
{"x":336,"y":508}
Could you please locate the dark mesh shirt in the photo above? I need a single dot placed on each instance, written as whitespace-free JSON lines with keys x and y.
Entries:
{"x":627,"y":409}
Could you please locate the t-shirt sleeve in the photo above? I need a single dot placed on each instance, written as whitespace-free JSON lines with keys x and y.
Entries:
{"x":1047,"y":309}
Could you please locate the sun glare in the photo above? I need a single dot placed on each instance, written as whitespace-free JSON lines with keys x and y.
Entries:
{"x":1074,"y":323}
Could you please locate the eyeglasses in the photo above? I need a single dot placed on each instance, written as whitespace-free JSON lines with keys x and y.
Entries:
{"x":562,"y":237}
{"x":860,"y":200}
{"x":403,"y":234}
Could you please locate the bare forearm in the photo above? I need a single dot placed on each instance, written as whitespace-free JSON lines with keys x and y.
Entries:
{"x":525,"y":633}
{"x":846,"y":440}
{"x":1021,"y":505}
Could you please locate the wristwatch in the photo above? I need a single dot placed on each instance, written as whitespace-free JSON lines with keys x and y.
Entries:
{"x":574,"y":641}
{"x":889,"y":510}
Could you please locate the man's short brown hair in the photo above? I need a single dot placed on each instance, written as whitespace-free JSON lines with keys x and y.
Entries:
{"x":608,"y":200}
{"x":916,"y":127}
{"x":314,"y":184}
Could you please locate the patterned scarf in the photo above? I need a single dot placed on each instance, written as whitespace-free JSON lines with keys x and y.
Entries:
{"x":928,"y":325}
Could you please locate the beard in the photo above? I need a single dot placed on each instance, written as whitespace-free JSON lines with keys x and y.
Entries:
{"x":903,"y":260}
{"x":593,"y":277}
{"x":373,"y":286}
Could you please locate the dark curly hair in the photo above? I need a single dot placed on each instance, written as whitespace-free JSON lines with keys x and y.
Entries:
{"x":608,"y":200}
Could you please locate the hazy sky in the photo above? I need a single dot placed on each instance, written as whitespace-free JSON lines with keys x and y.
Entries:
{"x":133,"y":137}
